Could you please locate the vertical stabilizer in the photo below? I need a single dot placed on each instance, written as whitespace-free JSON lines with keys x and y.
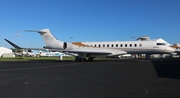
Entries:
{"x":49,"y":39}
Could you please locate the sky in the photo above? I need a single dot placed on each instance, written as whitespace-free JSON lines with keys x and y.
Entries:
{"x":88,"y":20}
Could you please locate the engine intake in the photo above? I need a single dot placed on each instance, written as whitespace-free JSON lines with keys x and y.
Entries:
{"x":64,"y":45}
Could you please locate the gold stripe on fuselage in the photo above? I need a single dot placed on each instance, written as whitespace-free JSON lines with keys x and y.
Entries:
{"x":80,"y":44}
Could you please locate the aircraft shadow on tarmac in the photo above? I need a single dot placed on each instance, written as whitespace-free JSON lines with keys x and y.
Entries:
{"x":167,"y":68}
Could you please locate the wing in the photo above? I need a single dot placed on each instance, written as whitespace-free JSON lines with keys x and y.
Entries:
{"x":18,"y":47}
{"x":97,"y":51}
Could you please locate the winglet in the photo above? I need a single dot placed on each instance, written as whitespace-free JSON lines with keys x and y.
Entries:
{"x":14,"y":45}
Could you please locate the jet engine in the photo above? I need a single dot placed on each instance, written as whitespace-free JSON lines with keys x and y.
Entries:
{"x":61,"y":46}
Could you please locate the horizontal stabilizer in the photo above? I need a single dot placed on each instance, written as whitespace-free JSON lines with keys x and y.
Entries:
{"x":31,"y":31}
{"x":40,"y":31}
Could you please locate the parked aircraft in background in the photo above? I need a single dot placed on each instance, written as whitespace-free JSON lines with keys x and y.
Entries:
{"x":176,"y":46}
{"x":91,"y":50}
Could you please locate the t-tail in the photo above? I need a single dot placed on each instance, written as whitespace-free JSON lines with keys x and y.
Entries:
{"x":50,"y":40}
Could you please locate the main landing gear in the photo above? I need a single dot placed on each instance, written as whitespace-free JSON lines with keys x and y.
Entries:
{"x":78,"y":59}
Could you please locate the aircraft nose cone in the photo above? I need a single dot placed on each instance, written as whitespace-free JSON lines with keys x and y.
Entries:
{"x":169,"y":49}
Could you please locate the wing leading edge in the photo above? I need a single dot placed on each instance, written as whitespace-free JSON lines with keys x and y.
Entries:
{"x":97,"y":51}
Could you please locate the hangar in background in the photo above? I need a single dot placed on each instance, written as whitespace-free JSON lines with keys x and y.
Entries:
{"x":5,"y":52}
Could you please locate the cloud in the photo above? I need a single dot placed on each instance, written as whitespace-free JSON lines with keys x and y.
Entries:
{"x":17,"y":34}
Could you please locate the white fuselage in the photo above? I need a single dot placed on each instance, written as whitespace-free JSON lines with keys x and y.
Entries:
{"x":131,"y":47}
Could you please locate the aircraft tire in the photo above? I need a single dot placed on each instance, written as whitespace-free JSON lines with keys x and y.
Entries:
{"x":90,"y":59}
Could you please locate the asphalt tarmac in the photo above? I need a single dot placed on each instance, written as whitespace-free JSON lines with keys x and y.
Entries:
{"x":98,"y":79}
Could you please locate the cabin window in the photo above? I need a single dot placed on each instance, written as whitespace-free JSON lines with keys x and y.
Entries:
{"x":107,"y":45}
{"x":95,"y":45}
{"x":112,"y":45}
{"x":99,"y":45}
{"x":116,"y":45}
{"x":130,"y":45}
{"x":125,"y":45}
{"x":160,"y":44}
{"x":103,"y":45}
{"x":140,"y":45}
{"x":135,"y":45}
{"x":121,"y":45}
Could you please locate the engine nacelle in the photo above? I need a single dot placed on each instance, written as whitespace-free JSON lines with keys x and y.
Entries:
{"x":61,"y":46}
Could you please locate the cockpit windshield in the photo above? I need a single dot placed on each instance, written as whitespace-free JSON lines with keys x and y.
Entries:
{"x":161,"y":44}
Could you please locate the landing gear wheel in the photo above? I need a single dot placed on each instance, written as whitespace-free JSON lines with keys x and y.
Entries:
{"x":77,"y":59}
{"x":90,"y":59}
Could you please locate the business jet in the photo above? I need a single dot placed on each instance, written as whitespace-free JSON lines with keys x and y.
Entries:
{"x":176,"y":46}
{"x":91,"y":50}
